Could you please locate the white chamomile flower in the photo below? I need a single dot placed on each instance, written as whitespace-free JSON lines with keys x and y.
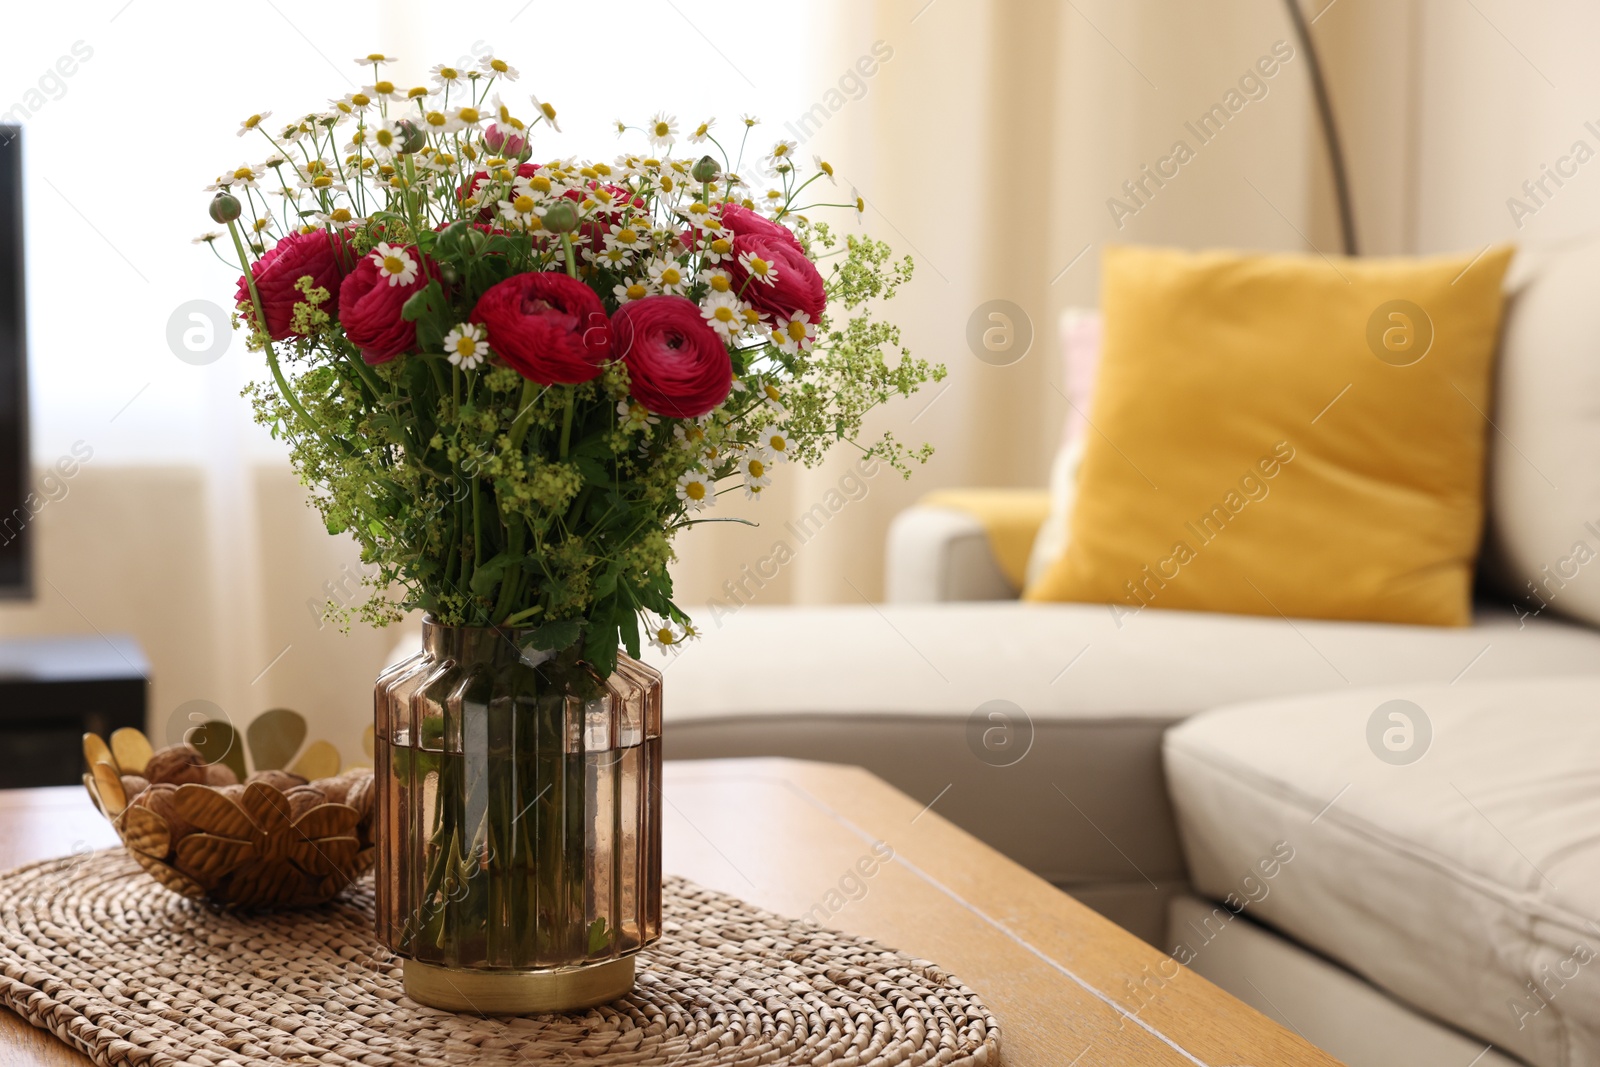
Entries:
{"x":749,"y":120}
{"x":436,"y":121}
{"x":720,"y":281}
{"x":620,"y":126}
{"x":207,"y":237}
{"x":776,"y":444}
{"x":690,"y":435}
{"x":861,"y":203}
{"x":522,"y":210}
{"x":794,"y":334}
{"x":468,"y":118}
{"x":395,"y":264}
{"x":757,"y":474}
{"x":702,"y":131}
{"x":629,"y":290}
{"x":627,"y":239}
{"x":499,"y":68}
{"x":668,"y":277}
{"x":632,"y":415}
{"x":467,"y":346}
{"x":547,"y":112}
{"x":717,"y":249}
{"x":381,"y":135}
{"x":244,"y":174}
{"x":446,"y":76}
{"x":665,"y":636}
{"x":695,"y":490}
{"x":374,"y":59}
{"x":761,"y":270}
{"x":721,"y":312}
{"x":662,"y":129}
{"x":825,"y":167}
{"x":253,"y":122}
{"x":782,"y":153}
{"x":338,"y":218}
{"x":384,"y":89}
{"x":772,"y":398}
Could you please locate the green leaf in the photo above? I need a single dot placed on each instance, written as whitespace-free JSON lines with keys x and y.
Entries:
{"x":489,"y":574}
{"x":598,"y":938}
{"x":554,"y":636}
{"x":421,"y":302}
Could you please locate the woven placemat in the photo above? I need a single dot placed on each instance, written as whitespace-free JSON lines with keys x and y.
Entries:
{"x":96,"y":952}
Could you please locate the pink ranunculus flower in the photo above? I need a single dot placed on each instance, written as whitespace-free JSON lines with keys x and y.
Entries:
{"x":677,"y":365}
{"x":371,"y":298}
{"x":547,"y":327}
{"x":321,"y":255}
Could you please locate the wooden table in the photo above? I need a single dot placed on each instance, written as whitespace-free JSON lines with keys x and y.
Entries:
{"x":1070,"y":989}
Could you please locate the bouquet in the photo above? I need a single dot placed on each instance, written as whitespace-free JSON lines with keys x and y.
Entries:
{"x":514,"y":381}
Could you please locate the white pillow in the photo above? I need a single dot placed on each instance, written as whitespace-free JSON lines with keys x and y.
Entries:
{"x":1080,"y":359}
{"x":1544,"y":447}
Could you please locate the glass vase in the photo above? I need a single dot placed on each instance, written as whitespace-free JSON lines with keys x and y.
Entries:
{"x":519,"y":822}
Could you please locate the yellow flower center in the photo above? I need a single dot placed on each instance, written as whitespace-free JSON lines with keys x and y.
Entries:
{"x":827,"y":168}
{"x":701,"y":130}
{"x":771,"y":391}
{"x":695,"y":490}
{"x":435,"y":118}
{"x":665,"y":636}
{"x":777,"y":443}
{"x":723,"y":314}
{"x":244,"y":174}
{"x":377,"y":57}
{"x":393,"y":265}
{"x":636,"y":291}
{"x":796,"y":331}
{"x":416,"y":92}
{"x":721,"y":246}
{"x":667,"y":184}
{"x":549,"y":112}
{"x":466,"y":346}
{"x":539,"y":182}
{"x":340,"y":214}
{"x":588,"y":172}
{"x":759,"y":266}
{"x":260,"y":224}
{"x":322,"y":181}
{"x":522,"y":204}
{"x":384,"y":137}
{"x":449,"y":73}
{"x":444,"y":159}
{"x":469,"y":114}
{"x":627,"y":235}
{"x":252,"y":122}
{"x":697,"y":208}
{"x":603,"y":169}
{"x":499,"y":66}
{"x":781,"y":150}
{"x":751,"y":315}
{"x":671,"y":276}
{"x":360,"y":99}
{"x":384,"y":88}
{"x":720,"y":283}
{"x":757,"y":468}
{"x":662,"y":129}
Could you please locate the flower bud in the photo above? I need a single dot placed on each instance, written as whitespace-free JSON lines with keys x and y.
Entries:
{"x":705,"y":168}
{"x":412,"y":139}
{"x":504,"y":143}
{"x":562,"y":217}
{"x":224,"y":207}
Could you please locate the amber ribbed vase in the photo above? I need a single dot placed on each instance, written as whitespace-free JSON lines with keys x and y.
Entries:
{"x":519,"y":823}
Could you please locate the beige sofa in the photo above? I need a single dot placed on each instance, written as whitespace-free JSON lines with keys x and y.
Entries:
{"x":1442,"y":910}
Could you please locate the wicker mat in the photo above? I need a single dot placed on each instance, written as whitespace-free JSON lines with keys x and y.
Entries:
{"x":96,"y":952}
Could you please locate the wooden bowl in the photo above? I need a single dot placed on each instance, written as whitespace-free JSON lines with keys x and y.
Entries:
{"x":277,"y":839}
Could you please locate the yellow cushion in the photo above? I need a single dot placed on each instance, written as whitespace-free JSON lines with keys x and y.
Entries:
{"x":1011,"y":519}
{"x":1286,"y":435}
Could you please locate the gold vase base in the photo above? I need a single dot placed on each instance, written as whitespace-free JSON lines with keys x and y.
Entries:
{"x":488,"y":992}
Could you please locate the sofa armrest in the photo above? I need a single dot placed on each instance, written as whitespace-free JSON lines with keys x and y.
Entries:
{"x":938,"y":554}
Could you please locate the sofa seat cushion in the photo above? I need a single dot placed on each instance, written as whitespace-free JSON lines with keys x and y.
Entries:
{"x":1443,"y":841}
{"x":991,"y":709}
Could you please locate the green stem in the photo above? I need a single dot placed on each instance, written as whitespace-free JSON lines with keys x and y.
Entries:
{"x":266,"y":341}
{"x":566,"y":249}
{"x":566,"y":421}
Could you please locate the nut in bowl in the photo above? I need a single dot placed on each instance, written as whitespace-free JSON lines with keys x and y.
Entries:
{"x":205,"y":829}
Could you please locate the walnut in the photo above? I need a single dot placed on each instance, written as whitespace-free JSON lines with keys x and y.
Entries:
{"x":176,"y":765}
